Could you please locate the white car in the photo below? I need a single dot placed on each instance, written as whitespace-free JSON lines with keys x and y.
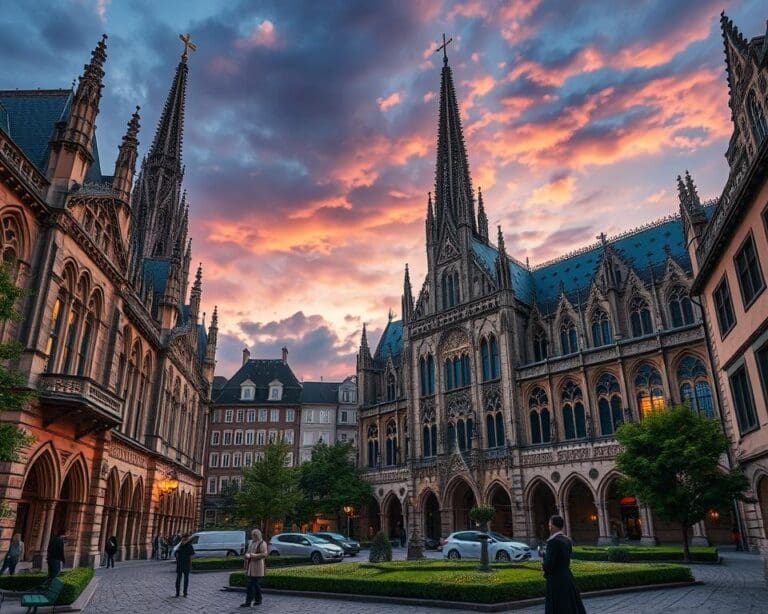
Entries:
{"x":466,"y":545}
{"x":314,"y":548}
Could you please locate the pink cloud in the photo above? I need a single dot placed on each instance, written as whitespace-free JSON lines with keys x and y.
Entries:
{"x":263,"y":35}
{"x":390,"y":101}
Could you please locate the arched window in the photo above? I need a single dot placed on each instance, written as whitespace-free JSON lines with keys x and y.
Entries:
{"x":485,"y":357}
{"x":694,"y":385}
{"x":88,"y":336}
{"x":450,"y":289}
{"x":649,"y":389}
{"x":539,"y":344}
{"x":373,"y":445}
{"x":448,"y":374}
{"x":538,"y":406}
{"x":680,"y":307}
{"x":495,"y":363}
{"x":640,"y":317}
{"x":466,"y":371}
{"x":429,"y":438}
{"x":390,"y":387}
{"x":427,"y":375}
{"x":601,"y":328}
{"x":391,"y":444}
{"x":52,"y":345}
{"x":574,"y":421}
{"x":461,"y":432}
{"x":609,"y":403}
{"x":494,"y":425}
{"x":756,"y":118}
{"x":568,"y":337}
{"x":10,"y":245}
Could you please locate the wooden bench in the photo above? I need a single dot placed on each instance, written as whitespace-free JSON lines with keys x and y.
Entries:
{"x":43,"y":598}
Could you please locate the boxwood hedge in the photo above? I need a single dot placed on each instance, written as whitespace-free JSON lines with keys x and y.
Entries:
{"x":621,"y":554}
{"x":216,"y":563}
{"x":459,"y":581}
{"x":75,"y":581}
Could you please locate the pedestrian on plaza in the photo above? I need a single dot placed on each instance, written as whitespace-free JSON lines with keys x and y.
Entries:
{"x":183,"y":563}
{"x":736,"y":537}
{"x":255,"y":556}
{"x":562,"y":596}
{"x":14,"y":554}
{"x":156,"y":547}
{"x":403,"y":537}
{"x":55,"y":554}
{"x":111,"y":550}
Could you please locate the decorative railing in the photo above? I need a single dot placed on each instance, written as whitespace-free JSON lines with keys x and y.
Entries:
{"x":81,"y":391}
{"x":387,"y":474}
{"x":584,"y":450}
{"x":12,"y":156}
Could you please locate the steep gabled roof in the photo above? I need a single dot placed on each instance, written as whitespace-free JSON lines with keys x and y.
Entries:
{"x":519,"y":276}
{"x":326,"y":393}
{"x":391,"y":343}
{"x":262,"y":371}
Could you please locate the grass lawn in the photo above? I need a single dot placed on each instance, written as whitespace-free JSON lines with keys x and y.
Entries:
{"x":458,"y":580}
{"x":623,"y":553}
{"x":216,"y":563}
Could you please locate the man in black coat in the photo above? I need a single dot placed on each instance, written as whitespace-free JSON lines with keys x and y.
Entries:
{"x":55,"y":554}
{"x":562,"y":595}
{"x":183,"y":563}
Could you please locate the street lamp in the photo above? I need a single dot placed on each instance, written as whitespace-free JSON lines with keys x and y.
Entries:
{"x":169,"y":483}
{"x":348,"y":510}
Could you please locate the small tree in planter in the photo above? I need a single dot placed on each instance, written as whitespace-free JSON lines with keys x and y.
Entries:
{"x":381,"y":548}
{"x":482,"y":515}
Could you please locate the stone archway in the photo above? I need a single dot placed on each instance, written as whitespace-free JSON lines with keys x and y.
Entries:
{"x":543,"y":505}
{"x":762,"y":501}
{"x":582,"y":513}
{"x":69,"y":510}
{"x":373,"y":516}
{"x":499,"y":498}
{"x":393,"y":516}
{"x":35,"y":511}
{"x":433,"y":527}
{"x":462,"y":499}
{"x":623,"y":521}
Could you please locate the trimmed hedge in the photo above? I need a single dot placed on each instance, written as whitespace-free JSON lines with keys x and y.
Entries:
{"x":459,"y":581}
{"x":637,"y":554}
{"x":75,"y":581}
{"x":219,"y":563}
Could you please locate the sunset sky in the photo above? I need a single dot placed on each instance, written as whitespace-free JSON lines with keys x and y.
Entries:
{"x":310,"y":134}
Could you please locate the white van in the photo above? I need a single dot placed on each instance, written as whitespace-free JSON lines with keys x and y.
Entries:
{"x":216,"y":543}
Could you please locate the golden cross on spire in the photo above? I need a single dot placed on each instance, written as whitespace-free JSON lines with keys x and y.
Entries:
{"x":444,"y":47}
{"x":188,"y":44}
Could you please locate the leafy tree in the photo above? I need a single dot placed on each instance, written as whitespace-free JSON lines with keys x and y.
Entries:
{"x":671,"y":462}
{"x":381,"y":548}
{"x":13,"y":396}
{"x":270,"y":489}
{"x":331,"y":479}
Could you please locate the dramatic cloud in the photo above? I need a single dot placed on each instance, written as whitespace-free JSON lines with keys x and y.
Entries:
{"x":310,"y":134}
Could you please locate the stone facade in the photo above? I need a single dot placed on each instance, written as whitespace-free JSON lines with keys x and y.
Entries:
{"x":729,"y":252}
{"x":120,"y":363}
{"x":504,"y":383}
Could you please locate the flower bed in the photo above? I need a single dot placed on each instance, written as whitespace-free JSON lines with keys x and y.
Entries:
{"x":75,"y":581}
{"x":620,"y":554}
{"x":216,"y":563}
{"x":459,"y":581}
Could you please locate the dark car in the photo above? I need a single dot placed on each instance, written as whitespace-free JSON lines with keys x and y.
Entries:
{"x":350,"y":546}
{"x":432,"y":543}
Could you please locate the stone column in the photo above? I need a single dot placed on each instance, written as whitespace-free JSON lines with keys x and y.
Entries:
{"x":648,"y":536}
{"x":699,"y":535}
{"x":603,"y":522}
{"x":44,"y":535}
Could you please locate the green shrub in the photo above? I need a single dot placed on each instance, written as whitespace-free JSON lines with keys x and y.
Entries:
{"x":618,"y":554}
{"x":459,"y":581}
{"x":216,"y":563}
{"x":381,"y":549}
{"x":699,"y":554}
{"x":75,"y":581}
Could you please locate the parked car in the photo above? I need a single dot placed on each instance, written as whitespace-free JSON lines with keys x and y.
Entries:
{"x":466,"y":545}
{"x":216,"y":543}
{"x":316,"y":549}
{"x":349,"y":546}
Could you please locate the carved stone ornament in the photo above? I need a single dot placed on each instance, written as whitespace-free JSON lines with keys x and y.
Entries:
{"x":492,"y":398}
{"x":449,"y":252}
{"x":455,"y":340}
{"x":459,"y":404}
{"x":593,"y":473}
{"x":555,"y":477}
{"x":428,"y":413}
{"x":381,"y":492}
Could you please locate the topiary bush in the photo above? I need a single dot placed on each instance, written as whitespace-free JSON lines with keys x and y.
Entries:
{"x":618,"y":554}
{"x":381,"y":549}
{"x":218,"y":563}
{"x":639,"y":554}
{"x":75,"y":581}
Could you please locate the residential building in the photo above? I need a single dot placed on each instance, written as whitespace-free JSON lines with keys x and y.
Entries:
{"x":328,"y":414}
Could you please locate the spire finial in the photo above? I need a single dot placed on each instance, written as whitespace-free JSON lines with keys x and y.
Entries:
{"x":502,"y":247}
{"x":444,"y":48}
{"x":188,"y":44}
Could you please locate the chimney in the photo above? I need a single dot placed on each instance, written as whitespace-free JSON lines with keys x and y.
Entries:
{"x":246,"y":355}
{"x":285,"y":355}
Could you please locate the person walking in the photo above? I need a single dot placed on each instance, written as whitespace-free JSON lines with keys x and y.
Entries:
{"x":14,"y":555}
{"x":155,"y":547}
{"x":255,"y":555}
{"x":562,"y":596}
{"x":111,"y":550}
{"x":183,"y":563}
{"x":55,"y":554}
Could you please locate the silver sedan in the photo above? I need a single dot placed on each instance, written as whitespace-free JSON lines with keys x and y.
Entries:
{"x":466,"y":545}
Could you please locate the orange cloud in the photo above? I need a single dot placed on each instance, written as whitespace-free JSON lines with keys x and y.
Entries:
{"x":390,"y":101}
{"x":263,"y":35}
{"x":559,"y":190}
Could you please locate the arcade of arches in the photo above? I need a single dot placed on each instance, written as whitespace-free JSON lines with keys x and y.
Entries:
{"x":593,"y":514}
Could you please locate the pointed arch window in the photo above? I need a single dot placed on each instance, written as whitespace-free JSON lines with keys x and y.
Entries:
{"x":609,"y":403}
{"x":427,"y":375}
{"x":450,"y":289}
{"x":680,"y":307}
{"x":539,"y":417}
{"x":458,"y":372}
{"x":574,"y":420}
{"x":390,"y":454}
{"x":429,"y":438}
{"x":373,"y":446}
{"x":495,"y":363}
{"x":649,"y":389}
{"x":448,"y":374}
{"x":88,"y":337}
{"x":640,"y":317}
{"x":601,"y":328}
{"x":390,"y":387}
{"x":539,"y":344}
{"x":52,"y":345}
{"x":494,"y":426}
{"x":569,"y":341}
{"x":485,"y":356}
{"x":756,"y":118}
{"x":694,"y":385}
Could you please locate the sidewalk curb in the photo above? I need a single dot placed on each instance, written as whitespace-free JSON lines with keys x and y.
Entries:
{"x":461,"y":605}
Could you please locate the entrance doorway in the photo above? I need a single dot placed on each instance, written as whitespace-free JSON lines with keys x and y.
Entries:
{"x":433,"y":526}
{"x":462,"y":501}
{"x":543,"y":506}
{"x":582,"y":513}
{"x":623,"y":515}
{"x":502,"y":521}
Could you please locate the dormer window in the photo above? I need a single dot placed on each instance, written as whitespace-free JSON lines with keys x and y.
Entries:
{"x":275,"y":390}
{"x":247,"y":391}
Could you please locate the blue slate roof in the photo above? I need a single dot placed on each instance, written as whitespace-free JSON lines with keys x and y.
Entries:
{"x":520,"y":277}
{"x":326,"y":393}
{"x":30,"y":117}
{"x":391,"y":342}
{"x":156,"y":273}
{"x":261,"y":372}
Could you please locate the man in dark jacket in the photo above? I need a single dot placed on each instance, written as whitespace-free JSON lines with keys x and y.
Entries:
{"x":55,"y":554}
{"x":183,"y":563}
{"x":562,"y":595}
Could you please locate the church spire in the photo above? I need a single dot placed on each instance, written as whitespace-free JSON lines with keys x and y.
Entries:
{"x":454,"y":202}
{"x":364,"y":358}
{"x":407,"y":302}
{"x":126,"y":159}
{"x":691,"y":211}
{"x":502,"y":264}
{"x":482,"y":218}
{"x":430,"y":221}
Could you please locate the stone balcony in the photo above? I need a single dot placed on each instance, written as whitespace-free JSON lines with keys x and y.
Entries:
{"x":604,"y":448}
{"x":92,"y":406}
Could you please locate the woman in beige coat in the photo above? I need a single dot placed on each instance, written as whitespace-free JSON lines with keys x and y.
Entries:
{"x":255,"y":554}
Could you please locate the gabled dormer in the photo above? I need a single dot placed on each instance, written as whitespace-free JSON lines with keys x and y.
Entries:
{"x":275,"y":390}
{"x":247,"y":390}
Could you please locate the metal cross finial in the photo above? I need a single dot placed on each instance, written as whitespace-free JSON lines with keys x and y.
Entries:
{"x":602,"y":238}
{"x":444,"y":47}
{"x":188,"y":44}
